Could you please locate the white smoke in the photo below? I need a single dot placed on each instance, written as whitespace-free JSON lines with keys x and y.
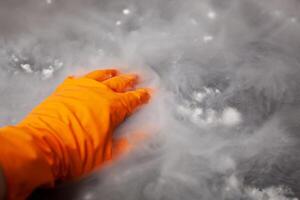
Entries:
{"x":224,"y":118}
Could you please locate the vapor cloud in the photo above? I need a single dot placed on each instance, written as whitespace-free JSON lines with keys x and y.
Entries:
{"x":224,"y":122}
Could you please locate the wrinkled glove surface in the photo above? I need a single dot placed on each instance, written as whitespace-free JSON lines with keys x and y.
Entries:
{"x":69,"y":134}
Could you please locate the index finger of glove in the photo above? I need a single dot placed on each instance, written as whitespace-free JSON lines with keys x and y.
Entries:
{"x":135,"y":99}
{"x":122,"y":82}
{"x":102,"y":75}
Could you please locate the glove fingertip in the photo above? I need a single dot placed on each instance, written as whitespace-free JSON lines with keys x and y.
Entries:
{"x":145,"y":94}
{"x":101,"y":75}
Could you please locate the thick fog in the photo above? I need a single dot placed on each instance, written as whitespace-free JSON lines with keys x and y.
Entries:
{"x":224,"y":119}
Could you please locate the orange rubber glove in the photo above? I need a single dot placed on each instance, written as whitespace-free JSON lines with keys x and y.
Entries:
{"x":70,"y":133}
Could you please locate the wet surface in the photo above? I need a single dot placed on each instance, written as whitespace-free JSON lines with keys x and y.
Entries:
{"x":227,"y":72}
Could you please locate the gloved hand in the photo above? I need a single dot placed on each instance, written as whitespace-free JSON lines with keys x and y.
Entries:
{"x":70,"y":133}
